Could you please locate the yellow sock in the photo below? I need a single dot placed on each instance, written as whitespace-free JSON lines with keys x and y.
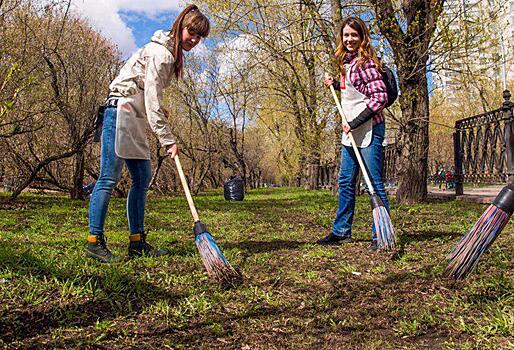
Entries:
{"x":135,"y":237}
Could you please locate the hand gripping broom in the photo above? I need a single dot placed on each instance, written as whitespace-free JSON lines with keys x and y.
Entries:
{"x":385,"y":232}
{"x":465,"y":255}
{"x":213,"y":259}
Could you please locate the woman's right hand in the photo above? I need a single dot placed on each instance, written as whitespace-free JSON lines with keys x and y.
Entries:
{"x":329,"y":81}
{"x":346,"y":127}
{"x":172,"y":150}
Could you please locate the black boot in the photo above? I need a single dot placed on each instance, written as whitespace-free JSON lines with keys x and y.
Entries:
{"x":139,"y":247}
{"x":332,"y":239}
{"x":97,"y":249}
{"x":373,"y":247}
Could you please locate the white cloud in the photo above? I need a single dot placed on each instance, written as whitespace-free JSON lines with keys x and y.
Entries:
{"x":104,"y":17}
{"x":148,"y":6}
{"x":233,"y":53}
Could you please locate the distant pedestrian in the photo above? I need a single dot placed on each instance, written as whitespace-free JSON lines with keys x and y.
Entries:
{"x":441,"y":177}
{"x":447,"y":179}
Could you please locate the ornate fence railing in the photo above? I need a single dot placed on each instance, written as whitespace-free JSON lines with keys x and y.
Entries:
{"x":480,"y":147}
{"x":483,"y":149}
{"x":483,"y":146}
{"x":389,"y":166}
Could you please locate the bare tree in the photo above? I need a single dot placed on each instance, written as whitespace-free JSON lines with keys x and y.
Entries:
{"x":70,"y":66}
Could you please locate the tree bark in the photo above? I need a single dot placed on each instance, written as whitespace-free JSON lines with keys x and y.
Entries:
{"x":337,"y":19}
{"x":413,"y":143}
{"x":78,"y":176}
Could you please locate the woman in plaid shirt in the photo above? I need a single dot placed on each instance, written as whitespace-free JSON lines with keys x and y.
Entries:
{"x":363,"y":97}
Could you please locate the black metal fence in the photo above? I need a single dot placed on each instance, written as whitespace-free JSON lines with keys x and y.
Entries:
{"x":483,"y":146}
{"x":483,"y":149}
{"x":389,"y":166}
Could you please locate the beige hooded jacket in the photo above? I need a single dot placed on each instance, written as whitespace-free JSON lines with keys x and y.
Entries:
{"x":139,"y":87}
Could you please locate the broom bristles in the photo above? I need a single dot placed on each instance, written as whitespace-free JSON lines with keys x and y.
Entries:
{"x":386,"y":238}
{"x":465,"y":255}
{"x":213,"y":259}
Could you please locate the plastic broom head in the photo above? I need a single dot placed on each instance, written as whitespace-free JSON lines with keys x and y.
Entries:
{"x":383,"y":226}
{"x":213,"y":259}
{"x":467,"y":252}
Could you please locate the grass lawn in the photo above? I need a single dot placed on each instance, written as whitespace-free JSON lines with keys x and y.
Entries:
{"x":296,"y":295}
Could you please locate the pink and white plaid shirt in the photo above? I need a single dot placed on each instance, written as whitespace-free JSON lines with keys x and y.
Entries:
{"x":368,"y":81}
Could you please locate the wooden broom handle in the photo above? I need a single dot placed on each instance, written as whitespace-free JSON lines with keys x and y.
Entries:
{"x":352,"y":140}
{"x":186,"y":189}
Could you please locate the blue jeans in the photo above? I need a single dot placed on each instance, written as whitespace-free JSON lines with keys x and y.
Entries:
{"x":110,"y":172}
{"x":373,"y":157}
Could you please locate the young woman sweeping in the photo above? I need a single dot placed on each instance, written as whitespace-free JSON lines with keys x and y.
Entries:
{"x":135,"y":101}
{"x":363,"y":96}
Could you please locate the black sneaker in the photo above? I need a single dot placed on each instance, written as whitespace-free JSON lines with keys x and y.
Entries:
{"x":332,"y":239}
{"x":140,"y":247}
{"x":97,"y":249}
{"x":373,"y":246}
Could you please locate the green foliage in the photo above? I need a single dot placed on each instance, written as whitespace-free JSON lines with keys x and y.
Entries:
{"x":7,"y":105}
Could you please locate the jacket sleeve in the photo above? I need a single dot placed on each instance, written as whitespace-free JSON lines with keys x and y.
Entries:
{"x":376,"y":91}
{"x":156,"y":72}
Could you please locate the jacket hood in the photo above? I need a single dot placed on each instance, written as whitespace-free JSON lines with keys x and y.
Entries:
{"x":163,"y":38}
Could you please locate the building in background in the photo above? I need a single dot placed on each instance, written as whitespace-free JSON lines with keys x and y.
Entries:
{"x":483,"y":31}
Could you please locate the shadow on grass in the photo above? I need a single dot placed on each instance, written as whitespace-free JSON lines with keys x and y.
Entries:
{"x":348,"y":301}
{"x":256,"y":247}
{"x":115,"y":295}
{"x":422,"y":236}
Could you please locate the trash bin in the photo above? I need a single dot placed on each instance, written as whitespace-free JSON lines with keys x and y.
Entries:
{"x":234,"y":189}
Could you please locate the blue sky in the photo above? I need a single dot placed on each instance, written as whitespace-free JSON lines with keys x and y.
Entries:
{"x":129,"y":23}
{"x":143,"y":26}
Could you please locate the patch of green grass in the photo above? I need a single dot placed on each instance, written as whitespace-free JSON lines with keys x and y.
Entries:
{"x":345,"y":268}
{"x":320,"y":253}
{"x":407,"y":328}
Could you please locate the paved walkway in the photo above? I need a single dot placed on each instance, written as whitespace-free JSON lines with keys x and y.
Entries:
{"x":471,"y":194}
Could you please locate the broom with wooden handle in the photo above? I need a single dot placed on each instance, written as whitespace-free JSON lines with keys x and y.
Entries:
{"x":213,"y":259}
{"x":385,"y":232}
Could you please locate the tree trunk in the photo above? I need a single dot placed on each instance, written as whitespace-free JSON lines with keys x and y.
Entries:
{"x":156,"y":172}
{"x":410,"y":43}
{"x":78,"y":176}
{"x":337,"y":19}
{"x":302,"y":164}
{"x":413,"y":142}
{"x":312,"y":178}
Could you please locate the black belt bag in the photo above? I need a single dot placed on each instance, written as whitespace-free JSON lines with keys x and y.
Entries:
{"x":98,"y":123}
{"x":110,"y":102}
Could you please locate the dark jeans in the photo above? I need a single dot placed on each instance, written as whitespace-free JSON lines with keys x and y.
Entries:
{"x":373,"y":157}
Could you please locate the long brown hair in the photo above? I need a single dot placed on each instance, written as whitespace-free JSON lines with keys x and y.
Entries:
{"x":365,"y":51}
{"x":196,"y":23}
